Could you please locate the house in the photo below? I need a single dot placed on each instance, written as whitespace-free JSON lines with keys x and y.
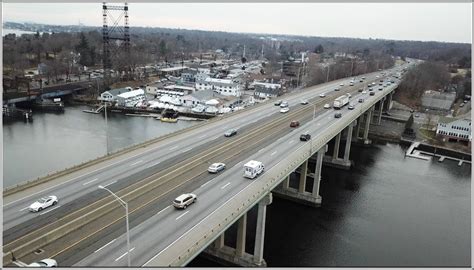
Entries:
{"x":454,"y":129}
{"x":131,"y":98}
{"x":111,"y":95}
{"x":263,"y":90}
{"x":172,"y":71}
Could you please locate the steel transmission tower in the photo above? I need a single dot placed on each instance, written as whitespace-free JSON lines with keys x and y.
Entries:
{"x":116,"y":41}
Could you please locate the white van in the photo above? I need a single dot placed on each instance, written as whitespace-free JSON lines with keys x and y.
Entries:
{"x":253,"y":168}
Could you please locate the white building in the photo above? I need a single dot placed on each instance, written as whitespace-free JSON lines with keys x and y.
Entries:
{"x":222,"y":86}
{"x":130,"y":99}
{"x":454,"y":129}
{"x":111,"y":95}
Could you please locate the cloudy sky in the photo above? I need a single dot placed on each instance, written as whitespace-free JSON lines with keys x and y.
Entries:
{"x":401,"y":21}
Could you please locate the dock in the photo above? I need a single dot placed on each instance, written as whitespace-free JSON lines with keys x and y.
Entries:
{"x":424,"y":155}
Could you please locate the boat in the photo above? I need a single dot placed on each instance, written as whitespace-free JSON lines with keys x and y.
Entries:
{"x":168,"y":120}
{"x":49,"y":105}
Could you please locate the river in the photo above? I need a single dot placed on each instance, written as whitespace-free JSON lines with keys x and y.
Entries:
{"x":56,"y":141}
{"x":387,"y":210}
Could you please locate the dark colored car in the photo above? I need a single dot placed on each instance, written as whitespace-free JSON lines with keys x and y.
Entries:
{"x":294,"y":124}
{"x":372,"y":93}
{"x":230,"y":132}
{"x":361,"y":100}
{"x":338,"y":115}
{"x":277,"y":103}
{"x":361,"y":89}
{"x":305,"y":137}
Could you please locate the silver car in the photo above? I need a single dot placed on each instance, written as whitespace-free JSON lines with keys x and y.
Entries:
{"x":183,"y":200}
{"x":216,"y":167}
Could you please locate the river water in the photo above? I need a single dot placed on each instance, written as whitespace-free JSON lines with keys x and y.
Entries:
{"x":387,"y":210}
{"x":56,"y":141}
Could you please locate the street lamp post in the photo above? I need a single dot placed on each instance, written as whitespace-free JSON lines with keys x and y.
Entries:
{"x":106,"y":130}
{"x":125,"y":205}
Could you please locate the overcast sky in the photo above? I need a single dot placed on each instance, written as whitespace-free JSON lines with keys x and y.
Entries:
{"x":401,"y":21}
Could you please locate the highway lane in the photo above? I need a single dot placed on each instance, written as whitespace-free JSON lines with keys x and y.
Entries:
{"x":295,"y":99}
{"x":17,"y":212}
{"x":164,"y":225}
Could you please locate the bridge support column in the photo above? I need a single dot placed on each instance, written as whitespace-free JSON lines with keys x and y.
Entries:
{"x":241,"y":235}
{"x":303,"y":174}
{"x":219,"y":242}
{"x":367,"y":124}
{"x":389,"y":100}
{"x":286,"y":182}
{"x":317,"y":175}
{"x":260,"y":230}
{"x":226,"y":255}
{"x":347,"y":149}
{"x":337,"y":142}
{"x":359,"y":120}
{"x":300,"y":195}
{"x":381,"y":102}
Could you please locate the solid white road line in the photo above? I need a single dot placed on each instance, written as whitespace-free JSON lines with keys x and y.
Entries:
{"x":113,"y":182}
{"x":273,"y":153}
{"x":24,"y":208}
{"x":163,"y":209}
{"x":260,"y":150}
{"x":121,"y":256}
{"x":225,"y":185}
{"x":182,"y":215}
{"x":135,"y":163}
{"x":186,"y":150}
{"x":50,"y":210}
{"x":174,"y":147}
{"x":105,"y":245}
{"x":215,"y":137}
{"x":291,"y":141}
{"x":90,"y":181}
{"x":201,"y":185}
{"x":201,"y":137}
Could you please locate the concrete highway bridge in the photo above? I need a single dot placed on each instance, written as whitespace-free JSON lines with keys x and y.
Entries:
{"x":46,"y":92}
{"x":87,"y":226}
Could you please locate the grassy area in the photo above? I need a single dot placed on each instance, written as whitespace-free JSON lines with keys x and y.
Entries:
{"x":427,"y":134}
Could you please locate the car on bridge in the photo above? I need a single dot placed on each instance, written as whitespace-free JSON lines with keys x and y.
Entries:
{"x":338,"y":115}
{"x":336,"y":89}
{"x":327,"y":106}
{"x":361,"y":100}
{"x":351,"y":106}
{"x":372,"y":93}
{"x":277,"y":103}
{"x":380,"y":88}
{"x":285,"y":110}
{"x":360,"y":90}
{"x":305,"y":137}
{"x":322,"y":95}
{"x":43,"y":203}
{"x":230,"y":132}
{"x":183,"y":200}
{"x":216,"y":167}
{"x":364,"y":92}
{"x":284,"y":104}
{"x":304,"y":102}
{"x":44,"y":263}
{"x":294,"y":124}
{"x":342,"y":84}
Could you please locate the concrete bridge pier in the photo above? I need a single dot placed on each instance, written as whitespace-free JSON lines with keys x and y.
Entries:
{"x":379,"y":117}
{"x":367,"y":125}
{"x":335,"y":161}
{"x":388,"y":106}
{"x":226,"y":255}
{"x":300,"y":195}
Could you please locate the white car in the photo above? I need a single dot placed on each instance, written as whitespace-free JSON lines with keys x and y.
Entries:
{"x":364,"y":92}
{"x":285,"y":110}
{"x":43,"y":203}
{"x":44,"y":263}
{"x":342,"y":84}
{"x":327,"y":106}
{"x":216,"y":167}
{"x":183,"y":200}
{"x":304,"y":102}
{"x":322,"y":95}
